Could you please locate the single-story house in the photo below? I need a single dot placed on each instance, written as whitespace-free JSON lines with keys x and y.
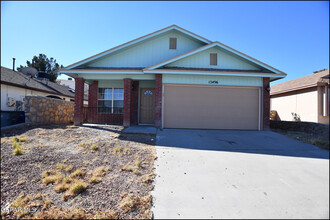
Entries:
{"x":173,"y":78}
{"x":306,"y":98}
{"x":16,"y":85}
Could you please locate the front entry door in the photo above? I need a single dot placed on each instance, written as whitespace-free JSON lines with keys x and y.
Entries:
{"x":147,"y":106}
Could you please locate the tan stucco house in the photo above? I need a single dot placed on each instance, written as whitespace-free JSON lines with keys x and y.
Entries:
{"x":173,"y":78}
{"x":307,"y":98}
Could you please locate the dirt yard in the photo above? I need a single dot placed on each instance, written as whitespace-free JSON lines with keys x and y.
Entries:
{"x":76,"y":172}
{"x":317,"y":139}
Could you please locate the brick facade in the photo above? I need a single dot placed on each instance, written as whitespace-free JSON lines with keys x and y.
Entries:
{"x":127,"y":102}
{"x":135,"y":103}
{"x":78,"y":101}
{"x":266,"y":103}
{"x":158,"y":100}
{"x":92,"y":102}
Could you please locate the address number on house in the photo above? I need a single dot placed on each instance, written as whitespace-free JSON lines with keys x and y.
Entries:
{"x":213,"y":82}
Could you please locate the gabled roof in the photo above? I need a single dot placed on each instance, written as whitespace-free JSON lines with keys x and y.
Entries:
{"x":301,"y":83}
{"x":19,"y":79}
{"x":214,"y":44}
{"x":172,"y":27}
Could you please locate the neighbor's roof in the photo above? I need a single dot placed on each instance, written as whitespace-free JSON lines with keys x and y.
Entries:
{"x":19,"y":79}
{"x":301,"y":83}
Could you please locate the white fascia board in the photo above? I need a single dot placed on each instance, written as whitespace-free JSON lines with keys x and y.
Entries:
{"x":248,"y":58}
{"x":192,"y":35}
{"x":215,"y":74}
{"x":137,"y":41}
{"x":97,"y":72}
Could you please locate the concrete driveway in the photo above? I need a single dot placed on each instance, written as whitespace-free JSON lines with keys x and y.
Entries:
{"x":239,"y":174}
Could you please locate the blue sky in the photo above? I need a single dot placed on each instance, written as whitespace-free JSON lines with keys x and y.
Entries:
{"x":290,"y":36}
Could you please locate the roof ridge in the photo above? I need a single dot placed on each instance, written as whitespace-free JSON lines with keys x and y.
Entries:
{"x":133,"y":41}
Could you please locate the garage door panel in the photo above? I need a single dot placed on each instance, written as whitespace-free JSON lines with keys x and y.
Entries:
{"x":210,"y":107}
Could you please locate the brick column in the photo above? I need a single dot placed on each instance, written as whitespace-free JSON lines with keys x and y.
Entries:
{"x":92,"y":101}
{"x":158,"y":100}
{"x":266,"y":103}
{"x":78,"y":101}
{"x":127,"y":102}
{"x":135,"y":103}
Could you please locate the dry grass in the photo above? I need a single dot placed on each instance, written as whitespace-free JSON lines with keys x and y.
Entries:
{"x":100,"y":171}
{"x":56,"y":178}
{"x":77,"y":187}
{"x":75,"y":213}
{"x":95,"y":179}
{"x":148,"y":178}
{"x":61,"y":166}
{"x":67,"y":180}
{"x":18,"y":150}
{"x":78,"y":174}
{"x":94,"y":147}
{"x":21,"y":181}
{"x":69,"y":168}
{"x":61,"y":187}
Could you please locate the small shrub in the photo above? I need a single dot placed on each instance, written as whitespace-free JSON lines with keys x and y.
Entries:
{"x":138,"y":163}
{"x":127,"y":168}
{"x":21,"y":181}
{"x":127,"y":203}
{"x":61,"y":166}
{"x":78,"y":173}
{"x":61,"y":187}
{"x":69,"y":168}
{"x":117,"y":150}
{"x":148,"y":178}
{"x":48,"y":173}
{"x":67,"y":180}
{"x":126,"y":151}
{"x":100,"y":171}
{"x":136,"y":171}
{"x":18,"y":150}
{"x":57,"y":178}
{"x":77,"y":187}
{"x":95,"y":179}
{"x":94,"y":147}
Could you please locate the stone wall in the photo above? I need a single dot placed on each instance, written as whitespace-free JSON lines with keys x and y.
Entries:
{"x":43,"y":110}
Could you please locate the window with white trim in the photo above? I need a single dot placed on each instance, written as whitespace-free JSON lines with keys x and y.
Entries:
{"x":110,"y":100}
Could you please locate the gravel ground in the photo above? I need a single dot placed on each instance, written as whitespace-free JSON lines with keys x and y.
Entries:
{"x":318,"y":139}
{"x":123,"y":191}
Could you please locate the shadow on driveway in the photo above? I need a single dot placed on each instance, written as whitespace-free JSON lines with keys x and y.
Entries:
{"x":258,"y":142}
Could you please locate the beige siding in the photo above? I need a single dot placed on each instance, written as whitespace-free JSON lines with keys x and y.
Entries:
{"x":211,"y":107}
{"x":303,"y":103}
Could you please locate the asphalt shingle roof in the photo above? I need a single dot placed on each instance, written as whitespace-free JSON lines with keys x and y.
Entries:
{"x":299,"y":83}
{"x":18,"y":78}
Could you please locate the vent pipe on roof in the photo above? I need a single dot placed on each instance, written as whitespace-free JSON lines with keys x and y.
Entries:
{"x":14,"y":64}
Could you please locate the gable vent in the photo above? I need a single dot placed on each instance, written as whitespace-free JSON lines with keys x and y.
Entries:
{"x":173,"y":43}
{"x":213,"y":59}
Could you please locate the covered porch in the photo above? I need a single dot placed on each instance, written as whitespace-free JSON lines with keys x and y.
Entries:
{"x":124,"y":99}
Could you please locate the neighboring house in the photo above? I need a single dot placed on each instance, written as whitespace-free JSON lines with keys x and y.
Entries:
{"x":173,"y":78}
{"x":16,"y":85}
{"x":70,"y":83}
{"x":306,"y":97}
